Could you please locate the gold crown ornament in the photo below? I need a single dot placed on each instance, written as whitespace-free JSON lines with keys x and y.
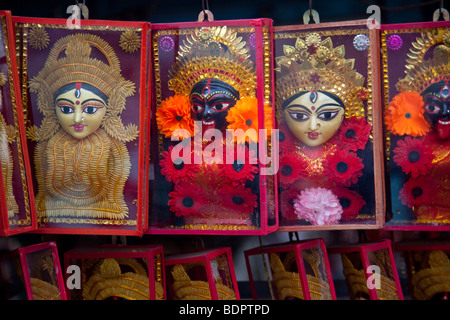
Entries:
{"x":108,"y":280}
{"x":357,"y":282}
{"x":422,"y":71}
{"x":187,"y":289}
{"x":315,"y":64}
{"x":433,"y":279}
{"x":217,"y":53}
{"x":288,"y":283}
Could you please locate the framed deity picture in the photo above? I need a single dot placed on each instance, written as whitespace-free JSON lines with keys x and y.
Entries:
{"x":212,"y":140}
{"x":417,"y":124}
{"x":328,"y":112}
{"x":85,"y":92}
{"x":17,"y":212}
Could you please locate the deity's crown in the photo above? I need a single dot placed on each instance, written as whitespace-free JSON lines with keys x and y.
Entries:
{"x":217,"y":53}
{"x":421,"y":69}
{"x":315,"y":64}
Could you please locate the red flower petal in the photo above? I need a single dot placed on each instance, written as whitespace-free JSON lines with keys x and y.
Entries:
{"x":351,"y":202}
{"x":413,"y":156}
{"x":354,"y":133}
{"x":187,"y":200}
{"x":345,"y":167}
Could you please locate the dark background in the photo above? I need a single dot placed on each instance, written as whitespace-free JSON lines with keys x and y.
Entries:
{"x":283,"y":12}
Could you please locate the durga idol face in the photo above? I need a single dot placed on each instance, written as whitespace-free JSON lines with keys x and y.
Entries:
{"x":80,"y":111}
{"x":211,"y":99}
{"x":437,"y":104}
{"x":313,"y":117}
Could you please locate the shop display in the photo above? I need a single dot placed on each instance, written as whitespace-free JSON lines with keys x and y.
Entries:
{"x":195,"y":133}
{"x":202,"y":275}
{"x":428,"y":267}
{"x":370,"y":270}
{"x":118,"y":272}
{"x":86,"y":100}
{"x":416,"y":93}
{"x":17,"y":214}
{"x":329,"y":120}
{"x":32,"y":273}
{"x":212,"y":100}
{"x":299,"y":270}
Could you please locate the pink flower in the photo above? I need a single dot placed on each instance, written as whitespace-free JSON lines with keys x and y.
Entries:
{"x":319,"y":206}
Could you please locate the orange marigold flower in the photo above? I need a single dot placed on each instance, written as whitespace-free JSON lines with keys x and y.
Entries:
{"x":404,"y":115}
{"x":244,"y":115}
{"x":174,"y":113}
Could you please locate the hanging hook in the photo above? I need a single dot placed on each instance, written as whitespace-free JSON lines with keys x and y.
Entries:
{"x":441,"y":12}
{"x":311,"y":13}
{"x":205,"y":12}
{"x":84,"y":9}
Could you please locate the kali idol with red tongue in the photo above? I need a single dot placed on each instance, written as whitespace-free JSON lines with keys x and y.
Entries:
{"x":418,"y":117}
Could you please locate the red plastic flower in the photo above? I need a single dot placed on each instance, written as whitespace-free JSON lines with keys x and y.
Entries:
{"x":241,"y":200}
{"x":187,"y":200}
{"x":177,"y":170}
{"x":287,"y":203}
{"x":291,"y":169}
{"x":413,"y":156}
{"x":354,"y":133}
{"x":286,"y":139}
{"x":418,"y":191}
{"x":351,"y":202}
{"x":239,"y":169}
{"x":345,"y":167}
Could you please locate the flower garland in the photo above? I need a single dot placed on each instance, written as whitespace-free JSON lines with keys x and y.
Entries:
{"x":325,"y":171}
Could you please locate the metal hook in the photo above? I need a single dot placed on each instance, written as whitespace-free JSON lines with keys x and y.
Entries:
{"x":84,"y":9}
{"x":438,"y":12}
{"x":441,"y":11}
{"x":209,"y":15}
{"x":311,"y":13}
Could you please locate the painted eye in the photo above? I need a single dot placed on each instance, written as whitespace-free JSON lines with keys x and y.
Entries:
{"x":196,"y":108}
{"x":220,"y":106}
{"x":327,"y":115}
{"x":90,"y":110}
{"x":66,"y":109}
{"x":432,"y":109}
{"x":299,"y":116}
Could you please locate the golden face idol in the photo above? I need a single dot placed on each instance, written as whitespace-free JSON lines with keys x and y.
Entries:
{"x":314,"y":117}
{"x":80,"y":116}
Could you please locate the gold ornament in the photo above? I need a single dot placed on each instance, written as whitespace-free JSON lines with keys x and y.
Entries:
{"x":357,"y":282}
{"x":42,"y":290}
{"x":38,"y":38}
{"x":7,"y":135}
{"x":187,"y":289}
{"x":213,"y":52}
{"x":433,"y":279}
{"x":86,"y":177}
{"x":420,"y":71}
{"x":107,"y":280}
{"x":288,"y":284}
{"x":315,"y":64}
{"x":130,"y":41}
